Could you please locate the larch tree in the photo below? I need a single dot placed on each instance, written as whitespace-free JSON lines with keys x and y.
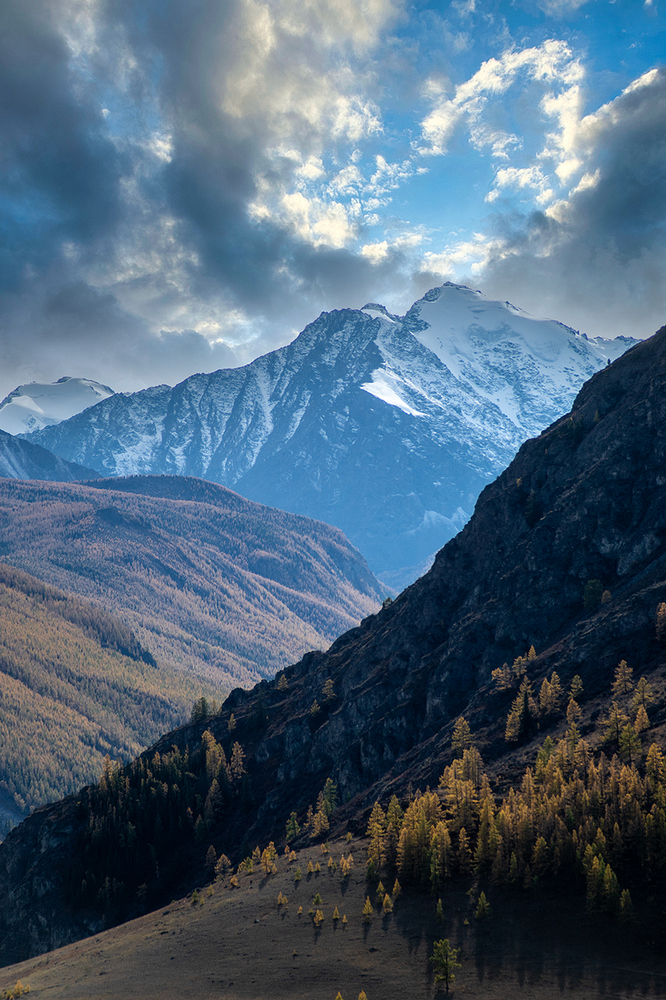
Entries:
{"x":661,"y":620}
{"x":445,"y":962}
{"x":643,"y":695}
{"x":461,"y":739}
{"x":623,"y":683}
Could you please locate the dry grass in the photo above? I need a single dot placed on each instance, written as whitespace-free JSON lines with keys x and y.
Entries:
{"x":240,"y":945}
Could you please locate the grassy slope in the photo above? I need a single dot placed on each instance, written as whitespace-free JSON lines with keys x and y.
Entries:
{"x":222,"y":589}
{"x":237,"y":944}
{"x":66,"y":697}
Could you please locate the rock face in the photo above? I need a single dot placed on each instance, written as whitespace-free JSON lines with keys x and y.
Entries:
{"x":32,"y":876}
{"x":22,"y":460}
{"x":387,"y":427}
{"x":585,"y":500}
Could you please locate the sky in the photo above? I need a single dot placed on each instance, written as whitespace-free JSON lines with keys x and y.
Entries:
{"x":185,"y":184}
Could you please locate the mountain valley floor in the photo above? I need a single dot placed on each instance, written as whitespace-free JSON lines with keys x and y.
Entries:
{"x":238,"y":944}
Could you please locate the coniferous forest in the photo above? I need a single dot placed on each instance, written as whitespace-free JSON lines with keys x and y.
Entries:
{"x":75,"y":684}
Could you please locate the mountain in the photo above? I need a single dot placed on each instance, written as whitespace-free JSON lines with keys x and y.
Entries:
{"x":385,"y":426}
{"x":221,"y":590}
{"x":35,"y":405}
{"x":22,"y":460}
{"x":566,"y":553}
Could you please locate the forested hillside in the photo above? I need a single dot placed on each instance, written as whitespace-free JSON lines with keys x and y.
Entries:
{"x":219,"y":589}
{"x":75,"y":684}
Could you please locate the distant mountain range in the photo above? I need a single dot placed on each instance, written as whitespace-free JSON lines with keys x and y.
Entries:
{"x":35,"y":405}
{"x":386,"y":426}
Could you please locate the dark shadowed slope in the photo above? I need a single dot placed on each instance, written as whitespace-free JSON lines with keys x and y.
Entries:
{"x":22,"y":460}
{"x":239,"y":944}
{"x":584,"y":501}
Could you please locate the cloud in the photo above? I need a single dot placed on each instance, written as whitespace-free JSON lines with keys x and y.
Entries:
{"x":477,"y":100}
{"x":192,"y":165}
{"x":182,"y":179}
{"x":60,"y":172}
{"x":74,"y":329}
{"x":558,"y":8}
{"x":597,"y":257}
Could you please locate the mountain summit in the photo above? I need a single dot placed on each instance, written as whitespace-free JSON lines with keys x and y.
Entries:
{"x":35,"y":405}
{"x":385,"y":426}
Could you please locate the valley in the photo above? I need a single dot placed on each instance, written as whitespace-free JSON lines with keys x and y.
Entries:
{"x":124,"y":603}
{"x":204,"y":577}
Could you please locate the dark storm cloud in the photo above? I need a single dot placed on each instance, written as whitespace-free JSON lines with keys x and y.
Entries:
{"x":604,"y":260}
{"x":87,"y":200}
{"x":74,"y":329}
{"x":59,"y":173}
{"x":217,"y":156}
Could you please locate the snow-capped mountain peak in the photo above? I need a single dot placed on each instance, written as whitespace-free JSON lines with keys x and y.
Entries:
{"x":529,"y":368}
{"x":35,"y":405}
{"x":385,"y":426}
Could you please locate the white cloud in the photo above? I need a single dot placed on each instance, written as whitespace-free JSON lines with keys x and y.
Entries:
{"x":313,"y":220}
{"x":517,"y":178}
{"x":346,"y":181}
{"x":376,"y":253}
{"x":595,"y":258}
{"x":550,"y":64}
{"x":464,"y":256}
{"x":559,"y":8}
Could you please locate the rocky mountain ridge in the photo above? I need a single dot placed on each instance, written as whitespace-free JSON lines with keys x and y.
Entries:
{"x":387,"y":427}
{"x":582,"y":502}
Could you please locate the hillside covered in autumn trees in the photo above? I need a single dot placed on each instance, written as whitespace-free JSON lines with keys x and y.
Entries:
{"x":75,"y":685}
{"x":217,"y":587}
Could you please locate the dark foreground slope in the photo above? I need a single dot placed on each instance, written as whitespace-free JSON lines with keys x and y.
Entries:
{"x":241,"y":945}
{"x":218,"y":588}
{"x":584,"y":501}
